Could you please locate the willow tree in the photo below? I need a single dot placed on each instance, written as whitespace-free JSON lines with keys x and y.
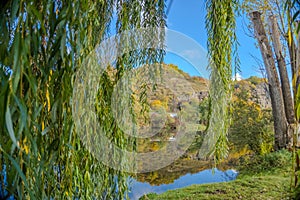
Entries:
{"x":42,"y":45}
{"x":222,"y":46}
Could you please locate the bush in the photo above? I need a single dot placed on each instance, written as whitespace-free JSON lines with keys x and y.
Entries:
{"x":267,"y":163}
{"x":251,"y":125}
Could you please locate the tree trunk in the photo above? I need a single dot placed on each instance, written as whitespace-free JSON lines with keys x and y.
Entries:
{"x":285,"y":85}
{"x":280,"y":122}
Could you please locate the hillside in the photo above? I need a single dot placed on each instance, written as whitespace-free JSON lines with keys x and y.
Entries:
{"x":257,"y":89}
{"x":169,"y":92}
{"x":176,"y":88}
{"x":180,"y":101}
{"x":168,"y":86}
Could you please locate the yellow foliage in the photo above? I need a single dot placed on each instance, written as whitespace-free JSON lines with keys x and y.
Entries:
{"x":25,"y":146}
{"x":266,"y":147}
{"x":156,"y":104}
{"x":234,"y":154}
{"x":48,"y":100}
{"x":154,"y":146}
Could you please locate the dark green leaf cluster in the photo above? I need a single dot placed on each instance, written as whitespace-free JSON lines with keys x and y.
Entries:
{"x":42,"y":45}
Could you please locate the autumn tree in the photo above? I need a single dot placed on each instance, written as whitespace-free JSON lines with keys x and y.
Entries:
{"x":251,"y":124}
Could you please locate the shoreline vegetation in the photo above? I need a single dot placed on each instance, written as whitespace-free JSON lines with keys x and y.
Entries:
{"x":260,"y":177}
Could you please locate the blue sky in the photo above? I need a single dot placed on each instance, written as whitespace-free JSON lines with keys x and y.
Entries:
{"x":188,"y":17}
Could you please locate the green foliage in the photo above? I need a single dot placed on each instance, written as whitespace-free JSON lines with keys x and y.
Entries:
{"x":264,"y":6}
{"x":220,"y":25}
{"x":42,"y":45}
{"x":255,"y":80}
{"x":251,"y":126}
{"x":267,"y":163}
{"x":204,"y":111}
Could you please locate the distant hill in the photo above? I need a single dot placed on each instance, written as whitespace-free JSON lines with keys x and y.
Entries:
{"x":178,"y":87}
{"x":173,"y":94}
{"x":258,"y":89}
{"x":178,"y":96}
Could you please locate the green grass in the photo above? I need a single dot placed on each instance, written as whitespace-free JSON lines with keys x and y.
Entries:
{"x":262,"y":177}
{"x":257,"y":187}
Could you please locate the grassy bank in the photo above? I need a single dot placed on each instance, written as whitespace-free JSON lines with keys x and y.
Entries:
{"x":261,"y":177}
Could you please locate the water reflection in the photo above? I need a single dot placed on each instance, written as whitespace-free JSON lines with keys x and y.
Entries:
{"x":138,"y":188}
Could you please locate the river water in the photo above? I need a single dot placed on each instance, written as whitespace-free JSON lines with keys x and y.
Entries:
{"x":139,"y":188}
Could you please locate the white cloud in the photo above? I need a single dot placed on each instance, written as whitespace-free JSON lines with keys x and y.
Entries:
{"x":237,"y":77}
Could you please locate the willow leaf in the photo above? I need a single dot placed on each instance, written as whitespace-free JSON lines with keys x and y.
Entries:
{"x":9,"y":127}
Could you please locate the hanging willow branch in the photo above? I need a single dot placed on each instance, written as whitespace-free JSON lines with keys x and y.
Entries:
{"x":42,"y":45}
{"x":222,"y":43}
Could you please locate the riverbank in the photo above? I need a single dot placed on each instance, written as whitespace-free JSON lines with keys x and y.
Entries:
{"x":261,"y":177}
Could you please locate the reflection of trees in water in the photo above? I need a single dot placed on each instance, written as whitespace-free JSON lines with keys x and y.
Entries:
{"x":179,"y":168}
